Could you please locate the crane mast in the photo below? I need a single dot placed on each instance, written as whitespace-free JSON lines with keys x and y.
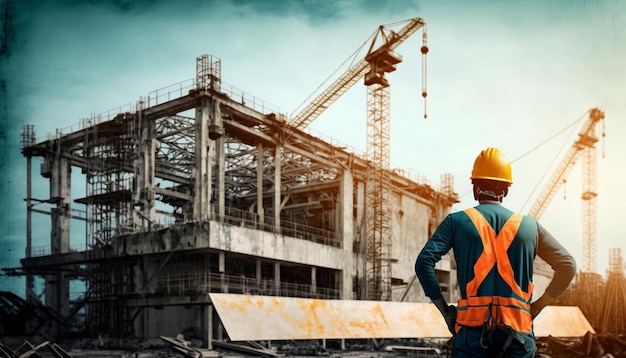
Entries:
{"x":584,"y":146}
{"x":372,"y":68}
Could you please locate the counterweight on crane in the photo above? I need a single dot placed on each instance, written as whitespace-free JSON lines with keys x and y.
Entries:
{"x":585,"y":146}
{"x":372,"y":68}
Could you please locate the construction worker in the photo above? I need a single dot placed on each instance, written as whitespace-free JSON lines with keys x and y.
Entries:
{"x":494,"y":249}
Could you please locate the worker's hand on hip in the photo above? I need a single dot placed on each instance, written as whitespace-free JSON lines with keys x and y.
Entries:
{"x":448,"y":312}
{"x":450,"y":317}
{"x":537,"y":306}
{"x":535,"y":309}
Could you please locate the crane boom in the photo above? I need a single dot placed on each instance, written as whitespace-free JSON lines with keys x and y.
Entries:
{"x":586,"y":139}
{"x":349,"y":78}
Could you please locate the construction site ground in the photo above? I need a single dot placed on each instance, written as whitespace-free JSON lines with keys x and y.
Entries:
{"x":590,"y":345}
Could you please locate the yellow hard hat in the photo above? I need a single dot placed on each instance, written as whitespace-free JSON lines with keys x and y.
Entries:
{"x":492,"y":164}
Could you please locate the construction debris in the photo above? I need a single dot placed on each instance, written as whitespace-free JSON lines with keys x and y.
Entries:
{"x":7,"y":352}
{"x":258,"y":351}
{"x":33,"y":351}
{"x":184,"y":347}
{"x":591,"y":345}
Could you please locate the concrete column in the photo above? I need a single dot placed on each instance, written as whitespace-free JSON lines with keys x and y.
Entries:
{"x":360,"y":235}
{"x":210,"y":327}
{"x":202,"y":169}
{"x":278,"y":153}
{"x":206,"y":324}
{"x":222,"y":270}
{"x":60,"y":189}
{"x":145,"y":142}
{"x":259,"y":273}
{"x":277,"y":279}
{"x":259,"y":184}
{"x":31,"y":296}
{"x":346,"y":229}
{"x":314,"y":281}
{"x":57,"y":288}
{"x":218,"y":155}
{"x":221,"y":180}
{"x":145,"y":316}
{"x":344,"y":212}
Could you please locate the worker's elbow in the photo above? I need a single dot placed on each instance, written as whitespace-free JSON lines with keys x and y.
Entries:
{"x":567,"y":268}
{"x":421,"y":265}
{"x":573,"y":266}
{"x":573,"y":263}
{"x":417,"y":266}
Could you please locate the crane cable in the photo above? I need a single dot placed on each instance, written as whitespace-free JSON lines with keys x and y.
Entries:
{"x":424,"y":51}
{"x":349,"y":62}
{"x":563,"y":146}
{"x":555,"y":157}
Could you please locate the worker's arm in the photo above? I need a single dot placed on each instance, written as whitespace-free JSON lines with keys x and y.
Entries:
{"x":437,"y":246}
{"x":563,"y":264}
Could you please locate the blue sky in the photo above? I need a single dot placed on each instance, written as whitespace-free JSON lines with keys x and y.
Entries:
{"x":509,"y":74}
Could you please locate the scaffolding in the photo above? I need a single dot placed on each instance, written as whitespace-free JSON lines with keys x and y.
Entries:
{"x":611,"y":309}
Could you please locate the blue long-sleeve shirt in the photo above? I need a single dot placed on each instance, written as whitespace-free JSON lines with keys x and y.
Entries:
{"x":458,"y":233}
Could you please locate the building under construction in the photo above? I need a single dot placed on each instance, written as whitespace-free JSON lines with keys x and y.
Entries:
{"x":202,"y":189}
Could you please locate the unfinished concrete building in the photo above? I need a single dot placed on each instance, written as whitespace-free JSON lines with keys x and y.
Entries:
{"x":202,"y":188}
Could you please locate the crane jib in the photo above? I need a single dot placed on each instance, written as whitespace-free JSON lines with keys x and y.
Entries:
{"x":349,"y":78}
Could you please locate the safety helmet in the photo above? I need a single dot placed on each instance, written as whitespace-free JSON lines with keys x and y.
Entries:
{"x":491,"y":164}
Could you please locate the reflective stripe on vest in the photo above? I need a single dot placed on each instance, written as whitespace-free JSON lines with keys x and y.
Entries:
{"x":509,"y":311}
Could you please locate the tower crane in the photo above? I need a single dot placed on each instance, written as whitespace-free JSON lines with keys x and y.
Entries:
{"x":378,"y":61}
{"x":584,"y":146}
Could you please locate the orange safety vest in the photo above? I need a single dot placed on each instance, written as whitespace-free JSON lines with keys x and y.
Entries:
{"x":475,"y":311}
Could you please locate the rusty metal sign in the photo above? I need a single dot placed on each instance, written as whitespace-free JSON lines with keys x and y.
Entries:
{"x":253,"y":318}
{"x":561,"y":321}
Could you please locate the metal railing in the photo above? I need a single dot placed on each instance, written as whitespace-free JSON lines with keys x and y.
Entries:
{"x":335,"y":142}
{"x":91,"y":121}
{"x":198,"y":283}
{"x":46,"y":250}
{"x":249,"y":100}
{"x":171,"y":92}
{"x":42,"y":250}
{"x":250,"y":220}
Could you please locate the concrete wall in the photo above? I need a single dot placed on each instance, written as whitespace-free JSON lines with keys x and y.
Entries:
{"x":410,"y":226}
{"x":170,"y":321}
{"x":284,"y":248}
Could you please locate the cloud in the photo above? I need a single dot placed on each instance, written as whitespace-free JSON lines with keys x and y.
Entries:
{"x":322,"y":11}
